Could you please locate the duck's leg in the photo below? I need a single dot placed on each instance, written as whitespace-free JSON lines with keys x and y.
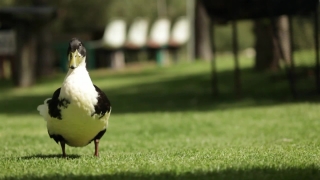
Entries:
{"x":96,"y":147}
{"x":96,"y":140}
{"x":63,"y":146}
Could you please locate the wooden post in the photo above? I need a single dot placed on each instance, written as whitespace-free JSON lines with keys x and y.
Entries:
{"x":237,"y":82}
{"x":214,"y":78}
{"x":317,"y":49}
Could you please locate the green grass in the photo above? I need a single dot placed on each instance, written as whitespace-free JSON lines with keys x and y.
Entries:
{"x":166,"y":125}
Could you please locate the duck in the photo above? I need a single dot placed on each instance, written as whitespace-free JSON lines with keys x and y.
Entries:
{"x":78,"y":111}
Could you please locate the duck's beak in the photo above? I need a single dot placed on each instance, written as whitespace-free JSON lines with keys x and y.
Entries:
{"x":74,"y":59}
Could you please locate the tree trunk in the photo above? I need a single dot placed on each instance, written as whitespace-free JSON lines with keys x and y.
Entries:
{"x":23,"y":65}
{"x":202,"y":36}
{"x":266,"y":45}
{"x":284,"y":38}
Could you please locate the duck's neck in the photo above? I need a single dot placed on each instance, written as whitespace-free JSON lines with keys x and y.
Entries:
{"x":77,"y":84}
{"x":79,"y":70}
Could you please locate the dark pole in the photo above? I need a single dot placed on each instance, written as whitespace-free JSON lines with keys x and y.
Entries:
{"x":214,"y":78}
{"x":316,"y":38}
{"x":292,"y":63}
{"x":237,"y":83}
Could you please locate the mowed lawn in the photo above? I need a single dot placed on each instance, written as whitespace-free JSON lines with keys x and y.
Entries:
{"x":165,"y":124}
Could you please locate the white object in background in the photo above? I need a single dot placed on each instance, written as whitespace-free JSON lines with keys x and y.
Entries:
{"x":137,"y":35}
{"x":115,"y":34}
{"x":180,"y":32}
{"x":160,"y":32}
{"x":7,"y":42}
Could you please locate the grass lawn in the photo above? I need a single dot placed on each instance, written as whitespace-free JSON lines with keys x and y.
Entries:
{"x":166,"y":125}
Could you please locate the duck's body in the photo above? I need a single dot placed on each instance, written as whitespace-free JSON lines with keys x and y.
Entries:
{"x":76,"y":100}
{"x":78,"y":112}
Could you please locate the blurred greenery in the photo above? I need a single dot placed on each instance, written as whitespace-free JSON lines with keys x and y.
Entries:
{"x":303,"y":30}
{"x":76,"y":16}
{"x":83,"y":16}
{"x":223,"y":36}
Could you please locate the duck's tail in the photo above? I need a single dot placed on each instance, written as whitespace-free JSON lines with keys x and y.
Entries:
{"x":43,"y":109}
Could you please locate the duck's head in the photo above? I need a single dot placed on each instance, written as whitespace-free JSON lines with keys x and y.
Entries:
{"x":76,"y":53}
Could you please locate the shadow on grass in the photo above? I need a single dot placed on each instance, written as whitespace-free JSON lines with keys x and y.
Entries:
{"x":190,"y":92}
{"x":310,"y":173}
{"x":50,"y":156}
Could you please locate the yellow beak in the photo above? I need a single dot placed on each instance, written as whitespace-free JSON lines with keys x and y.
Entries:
{"x":74,"y":59}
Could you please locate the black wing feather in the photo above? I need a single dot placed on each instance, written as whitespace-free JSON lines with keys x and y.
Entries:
{"x":103,"y":106}
{"x":55,"y":104}
{"x":54,"y":111}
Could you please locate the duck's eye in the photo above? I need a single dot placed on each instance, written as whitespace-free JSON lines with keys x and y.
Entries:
{"x":80,"y":45}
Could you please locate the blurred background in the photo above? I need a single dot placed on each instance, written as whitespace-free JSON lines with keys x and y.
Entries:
{"x":34,"y":35}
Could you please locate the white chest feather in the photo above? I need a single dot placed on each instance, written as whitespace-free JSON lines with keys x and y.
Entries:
{"x":78,"y":88}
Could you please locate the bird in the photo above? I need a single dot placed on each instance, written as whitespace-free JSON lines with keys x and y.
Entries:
{"x":78,"y":111}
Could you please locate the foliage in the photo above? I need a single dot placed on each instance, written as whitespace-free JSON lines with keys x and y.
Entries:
{"x":85,"y":16}
{"x":90,"y":16}
{"x":303,"y":30}
{"x":5,"y":3}
{"x":223,"y":36}
{"x":165,"y":125}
